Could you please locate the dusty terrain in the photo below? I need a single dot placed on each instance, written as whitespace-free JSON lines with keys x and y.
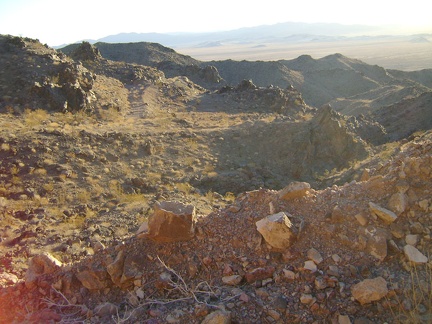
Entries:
{"x":78,"y":178}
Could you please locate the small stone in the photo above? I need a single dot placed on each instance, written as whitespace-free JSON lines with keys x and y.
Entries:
{"x":217,"y":317}
{"x":362,"y":219}
{"x":288,"y":274}
{"x":307,"y":299}
{"x":414,"y":256}
{"x":320,"y":283}
{"x":274,"y":314}
{"x":171,"y":319}
{"x":262,"y":292}
{"x":140,"y":293}
{"x":424,"y":204}
{"x":259,"y":274}
{"x":336,"y":258}
{"x":385,"y":215}
{"x":369,"y":290}
{"x":344,"y":319}
{"x":244,"y":298}
{"x":411,"y":239}
{"x":233,"y":280}
{"x":310,"y":265}
{"x":333,"y":271}
{"x":315,"y":256}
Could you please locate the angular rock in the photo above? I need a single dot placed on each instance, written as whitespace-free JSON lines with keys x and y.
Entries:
{"x":361,"y":218}
{"x":387,"y":216}
{"x":233,"y":280}
{"x":412,"y":239}
{"x":377,"y":246}
{"x":259,"y":274}
{"x":369,"y":290}
{"x":115,"y":269}
{"x":310,"y":265}
{"x":413,"y":255}
{"x":217,"y":317}
{"x":294,"y":190}
{"x":172,"y":221}
{"x":398,"y":202}
{"x":314,"y":255}
{"x":277,"y":230}
{"x":91,"y":279}
{"x":40,"y":264}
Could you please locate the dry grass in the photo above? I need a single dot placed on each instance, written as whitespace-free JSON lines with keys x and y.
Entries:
{"x":414,"y":305}
{"x":35,"y":117}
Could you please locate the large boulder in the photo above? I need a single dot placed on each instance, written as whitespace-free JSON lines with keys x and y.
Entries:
{"x":172,"y":221}
{"x":277,"y":230}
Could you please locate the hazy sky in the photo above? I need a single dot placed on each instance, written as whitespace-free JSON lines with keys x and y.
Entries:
{"x":57,"y":22}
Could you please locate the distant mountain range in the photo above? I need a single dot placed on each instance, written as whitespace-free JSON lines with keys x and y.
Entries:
{"x":287,"y":32}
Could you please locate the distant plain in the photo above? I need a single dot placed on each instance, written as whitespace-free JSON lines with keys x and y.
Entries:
{"x":406,"y":53}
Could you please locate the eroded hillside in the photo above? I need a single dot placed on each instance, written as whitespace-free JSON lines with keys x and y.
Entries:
{"x":78,"y":178}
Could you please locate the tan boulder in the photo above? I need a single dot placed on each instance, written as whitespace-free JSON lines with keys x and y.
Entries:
{"x":277,"y":230}
{"x":369,"y":290}
{"x":294,"y":190}
{"x":172,"y":221}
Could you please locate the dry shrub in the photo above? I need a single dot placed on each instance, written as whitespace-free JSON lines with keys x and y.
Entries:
{"x":35,"y":117}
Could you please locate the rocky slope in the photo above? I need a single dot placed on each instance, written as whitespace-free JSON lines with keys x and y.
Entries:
{"x":75,"y":188}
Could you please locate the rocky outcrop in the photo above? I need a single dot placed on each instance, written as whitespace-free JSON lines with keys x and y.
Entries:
{"x":86,"y":52}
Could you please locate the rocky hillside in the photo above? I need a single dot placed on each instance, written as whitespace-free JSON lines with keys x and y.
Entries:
{"x":154,"y":198}
{"x":351,"y":86}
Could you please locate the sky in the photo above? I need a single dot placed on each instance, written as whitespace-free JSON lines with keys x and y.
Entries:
{"x":58,"y":22}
